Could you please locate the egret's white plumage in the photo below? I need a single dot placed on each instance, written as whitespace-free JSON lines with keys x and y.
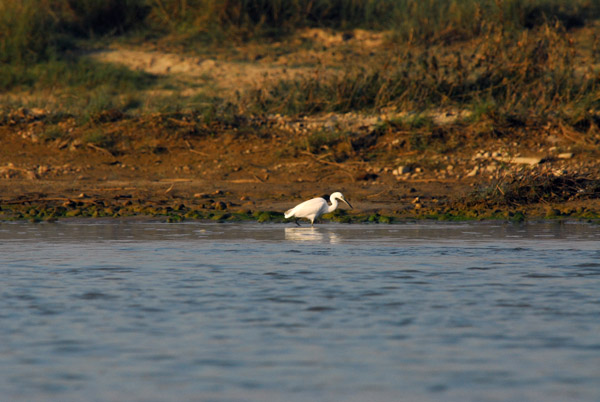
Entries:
{"x":316,"y":207}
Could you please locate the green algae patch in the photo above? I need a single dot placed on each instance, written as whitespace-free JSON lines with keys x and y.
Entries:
{"x":240,"y":216}
{"x":373,"y":218}
{"x":450,"y":217}
{"x":73,"y":213}
{"x":385,"y":219}
{"x":269,"y":216}
{"x":517,"y":217}
{"x":220,"y":216}
{"x":47,"y":211}
{"x":192,"y":214}
{"x":339,"y":215}
{"x":175,"y":218}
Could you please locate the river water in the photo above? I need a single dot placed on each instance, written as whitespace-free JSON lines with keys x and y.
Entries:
{"x":147,"y":311}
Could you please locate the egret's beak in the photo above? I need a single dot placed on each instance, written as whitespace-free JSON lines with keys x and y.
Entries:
{"x":347,"y":203}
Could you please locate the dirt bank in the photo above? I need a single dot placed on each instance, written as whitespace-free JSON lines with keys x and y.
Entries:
{"x":262,"y":166}
{"x":237,"y":165}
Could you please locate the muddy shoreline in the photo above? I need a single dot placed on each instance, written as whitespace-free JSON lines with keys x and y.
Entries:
{"x":263,"y":171}
{"x":177,"y":200}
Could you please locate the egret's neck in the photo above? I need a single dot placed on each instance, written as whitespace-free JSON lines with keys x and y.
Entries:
{"x":333,"y":206}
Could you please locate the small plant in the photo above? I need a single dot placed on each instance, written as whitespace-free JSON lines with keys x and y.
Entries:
{"x":541,"y":188}
{"x":417,"y":142}
{"x":52,"y":133}
{"x":99,"y":138}
{"x":322,"y":140}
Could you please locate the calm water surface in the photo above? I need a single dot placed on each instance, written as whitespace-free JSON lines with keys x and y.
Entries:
{"x":144,"y":311}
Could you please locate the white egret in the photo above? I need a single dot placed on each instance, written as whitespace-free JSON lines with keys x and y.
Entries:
{"x":316,"y":207}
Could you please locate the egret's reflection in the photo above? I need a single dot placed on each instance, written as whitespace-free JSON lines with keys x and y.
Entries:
{"x":311,"y":234}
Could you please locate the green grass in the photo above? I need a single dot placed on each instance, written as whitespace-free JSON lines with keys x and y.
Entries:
{"x":36,"y":30}
{"x":520,"y":191}
{"x":99,"y":138}
{"x":52,"y":132}
{"x":527,"y":77}
{"x":79,"y":87}
{"x":411,"y":20}
{"x":81,"y":73}
{"x":518,"y":67}
{"x":321,"y":140}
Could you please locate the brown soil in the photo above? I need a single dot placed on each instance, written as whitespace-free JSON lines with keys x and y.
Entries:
{"x":265,"y":164}
{"x":247,"y":171}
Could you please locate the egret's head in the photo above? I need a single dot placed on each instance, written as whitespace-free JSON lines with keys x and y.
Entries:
{"x":340,"y":197}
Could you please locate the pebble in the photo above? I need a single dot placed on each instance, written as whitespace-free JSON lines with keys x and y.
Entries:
{"x":552,"y":139}
{"x":31,"y":175}
{"x":473,"y":172}
{"x":401,"y":170}
{"x":565,"y":155}
{"x":207,"y":64}
{"x":524,"y":160}
{"x":559,"y":172}
{"x":220,"y":205}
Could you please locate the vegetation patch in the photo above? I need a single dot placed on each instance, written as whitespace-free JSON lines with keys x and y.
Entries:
{"x":516,"y":78}
{"x":542,"y":188}
{"x":31,"y":30}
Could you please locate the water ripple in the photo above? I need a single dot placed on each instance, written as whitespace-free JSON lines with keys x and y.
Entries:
{"x":145,"y":311}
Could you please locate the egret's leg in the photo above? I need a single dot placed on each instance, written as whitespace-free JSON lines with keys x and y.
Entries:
{"x":296,"y":222}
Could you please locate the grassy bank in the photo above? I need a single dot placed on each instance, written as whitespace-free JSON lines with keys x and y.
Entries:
{"x":38,"y":29}
{"x":506,"y":63}
{"x":535,"y":78}
{"x":530,"y":77}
